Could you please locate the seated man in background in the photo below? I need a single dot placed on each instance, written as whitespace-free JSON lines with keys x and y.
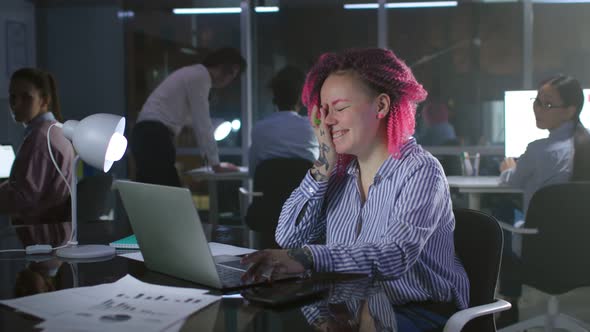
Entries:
{"x":284,"y":133}
{"x":436,"y":130}
{"x":283,"y":140}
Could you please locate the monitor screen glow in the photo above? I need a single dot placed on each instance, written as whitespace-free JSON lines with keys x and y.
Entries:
{"x":519,"y":120}
{"x":6,"y":159}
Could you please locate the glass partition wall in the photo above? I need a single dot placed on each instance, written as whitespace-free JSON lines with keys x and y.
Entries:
{"x":466,"y":54}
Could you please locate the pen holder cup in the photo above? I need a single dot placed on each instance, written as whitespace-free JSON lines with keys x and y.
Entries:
{"x":470,"y":164}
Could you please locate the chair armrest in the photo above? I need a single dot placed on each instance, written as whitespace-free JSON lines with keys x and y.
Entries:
{"x":459,"y":319}
{"x":518,"y":230}
{"x":245,"y":192}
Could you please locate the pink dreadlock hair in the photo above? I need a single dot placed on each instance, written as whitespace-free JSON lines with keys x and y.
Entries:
{"x":383,"y":72}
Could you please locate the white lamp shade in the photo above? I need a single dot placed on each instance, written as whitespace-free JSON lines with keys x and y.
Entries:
{"x":98,"y":139}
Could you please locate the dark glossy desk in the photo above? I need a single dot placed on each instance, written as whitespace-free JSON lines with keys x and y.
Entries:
{"x":27,"y":276}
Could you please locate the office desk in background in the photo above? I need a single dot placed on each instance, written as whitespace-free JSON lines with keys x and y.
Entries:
{"x":474,"y":186}
{"x":206,"y":174}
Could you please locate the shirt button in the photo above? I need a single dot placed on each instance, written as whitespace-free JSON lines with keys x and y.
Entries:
{"x":310,"y":190}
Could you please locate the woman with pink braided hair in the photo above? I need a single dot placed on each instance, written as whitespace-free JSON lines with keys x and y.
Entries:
{"x":374,"y":202}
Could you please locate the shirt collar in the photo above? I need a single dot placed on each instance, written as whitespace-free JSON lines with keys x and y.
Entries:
{"x":566,"y":130}
{"x":46,"y":116}
{"x":390,"y":164}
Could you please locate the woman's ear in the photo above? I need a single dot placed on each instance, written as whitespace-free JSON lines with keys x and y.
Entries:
{"x":383,"y":103}
{"x":570,"y":113}
{"x":45,"y":102}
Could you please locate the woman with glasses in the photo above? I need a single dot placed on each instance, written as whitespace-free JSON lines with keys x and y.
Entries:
{"x":563,"y":156}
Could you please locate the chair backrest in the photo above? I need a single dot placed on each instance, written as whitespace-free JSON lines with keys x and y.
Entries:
{"x":276,"y":179}
{"x":452,"y":164}
{"x":96,"y":200}
{"x":478,"y":243}
{"x":556,"y":259}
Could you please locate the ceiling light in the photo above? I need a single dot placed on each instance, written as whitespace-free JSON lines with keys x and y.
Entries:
{"x":422,"y":4}
{"x":222,"y":10}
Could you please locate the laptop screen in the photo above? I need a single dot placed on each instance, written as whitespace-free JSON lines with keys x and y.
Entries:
{"x":6,"y":160}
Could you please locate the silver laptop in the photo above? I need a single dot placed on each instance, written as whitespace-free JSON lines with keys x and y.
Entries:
{"x":6,"y":159}
{"x":171,"y":237}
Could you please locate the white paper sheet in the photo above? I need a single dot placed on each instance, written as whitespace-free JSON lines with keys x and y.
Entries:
{"x":125,"y":305}
{"x":217,"y":249}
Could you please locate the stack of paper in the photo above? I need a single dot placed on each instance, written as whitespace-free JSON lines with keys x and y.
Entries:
{"x":125,"y":305}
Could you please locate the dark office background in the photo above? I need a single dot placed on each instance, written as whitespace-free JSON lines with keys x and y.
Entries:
{"x":108,"y":55}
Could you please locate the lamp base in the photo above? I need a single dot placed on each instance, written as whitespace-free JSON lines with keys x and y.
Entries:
{"x":86,"y":251}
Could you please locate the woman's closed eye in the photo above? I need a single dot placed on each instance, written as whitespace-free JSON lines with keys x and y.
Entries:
{"x":342,"y":108}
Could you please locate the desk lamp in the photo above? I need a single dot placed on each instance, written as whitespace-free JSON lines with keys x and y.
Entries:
{"x":98,"y":140}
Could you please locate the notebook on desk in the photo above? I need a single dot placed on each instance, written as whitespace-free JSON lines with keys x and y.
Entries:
{"x":129,"y":242}
{"x":171,"y":237}
{"x":6,"y":160}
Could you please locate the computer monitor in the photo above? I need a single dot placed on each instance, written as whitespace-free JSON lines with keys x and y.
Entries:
{"x":6,"y":160}
{"x":519,"y":120}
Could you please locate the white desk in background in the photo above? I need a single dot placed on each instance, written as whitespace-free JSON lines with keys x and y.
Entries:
{"x":474,"y":186}
{"x":205,"y":173}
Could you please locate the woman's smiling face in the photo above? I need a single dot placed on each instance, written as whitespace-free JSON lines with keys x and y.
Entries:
{"x":352,"y":113}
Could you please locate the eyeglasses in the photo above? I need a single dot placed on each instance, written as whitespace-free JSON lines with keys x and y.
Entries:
{"x":548,"y":106}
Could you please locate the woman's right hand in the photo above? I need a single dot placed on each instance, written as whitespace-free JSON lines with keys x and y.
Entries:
{"x":507,"y":164}
{"x":326,"y":162}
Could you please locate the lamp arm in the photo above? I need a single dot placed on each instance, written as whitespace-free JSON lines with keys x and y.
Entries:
{"x":74,"y":201}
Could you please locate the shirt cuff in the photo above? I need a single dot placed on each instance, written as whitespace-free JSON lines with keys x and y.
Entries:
{"x":311,"y":188}
{"x":322,"y":257}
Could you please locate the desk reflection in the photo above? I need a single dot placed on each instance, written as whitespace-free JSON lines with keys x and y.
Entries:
{"x":42,"y":274}
{"x":350,"y":305}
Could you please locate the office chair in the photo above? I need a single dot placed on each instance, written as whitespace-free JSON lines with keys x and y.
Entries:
{"x":274,"y":180}
{"x":555,"y":250}
{"x":478,"y":244}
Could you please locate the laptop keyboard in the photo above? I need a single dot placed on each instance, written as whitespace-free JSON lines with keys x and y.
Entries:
{"x":229,"y":276}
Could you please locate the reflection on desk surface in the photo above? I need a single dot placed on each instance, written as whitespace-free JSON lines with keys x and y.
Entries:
{"x":353,"y":303}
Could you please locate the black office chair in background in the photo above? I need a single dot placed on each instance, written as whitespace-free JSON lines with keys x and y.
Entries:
{"x":478,"y":243}
{"x":96,"y":208}
{"x":452,"y":164}
{"x":555,"y":255}
{"x":274,"y":180}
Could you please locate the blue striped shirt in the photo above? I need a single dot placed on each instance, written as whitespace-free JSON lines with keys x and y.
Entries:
{"x":406,"y":228}
{"x":363,"y":305}
{"x":353,"y":295}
